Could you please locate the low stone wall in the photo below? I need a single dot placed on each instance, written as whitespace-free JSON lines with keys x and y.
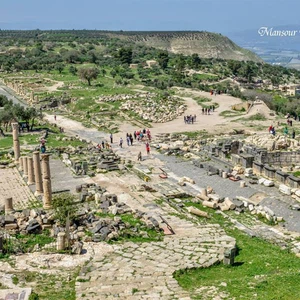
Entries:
{"x":279,"y":159}
{"x":271,"y":173}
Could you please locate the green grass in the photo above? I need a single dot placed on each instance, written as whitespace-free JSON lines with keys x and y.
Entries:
{"x":230,"y":113}
{"x":201,"y":100}
{"x":196,"y":134}
{"x":297,"y":173}
{"x":261,"y":270}
{"x":257,"y":117}
{"x":44,"y":285}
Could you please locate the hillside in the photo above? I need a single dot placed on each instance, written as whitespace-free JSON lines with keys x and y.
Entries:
{"x":206,"y":44}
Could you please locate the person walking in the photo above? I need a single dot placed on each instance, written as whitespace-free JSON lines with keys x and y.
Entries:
{"x":140,"y":156}
{"x":111,"y":138}
{"x":121,"y":143}
{"x":147,"y":148}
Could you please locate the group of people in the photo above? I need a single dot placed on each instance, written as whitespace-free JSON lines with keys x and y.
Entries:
{"x":141,"y":135}
{"x":285,"y":131}
{"x":189,"y":119}
{"x":208,"y":110}
{"x":104,"y":145}
{"x":215,"y":92}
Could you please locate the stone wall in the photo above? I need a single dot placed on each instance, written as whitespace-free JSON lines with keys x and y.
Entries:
{"x":278,"y":158}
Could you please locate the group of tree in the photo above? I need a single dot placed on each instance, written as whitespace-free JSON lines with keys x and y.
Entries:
{"x":10,"y":112}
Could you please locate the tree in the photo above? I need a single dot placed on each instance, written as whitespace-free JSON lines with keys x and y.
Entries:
{"x":73,"y":70}
{"x":195,"y":61}
{"x":88,"y":74}
{"x":125,"y":55}
{"x":163,"y":59}
{"x":59,"y":67}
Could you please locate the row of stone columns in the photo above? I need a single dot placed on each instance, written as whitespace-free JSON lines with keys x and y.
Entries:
{"x":38,"y":174}
{"x":32,"y":170}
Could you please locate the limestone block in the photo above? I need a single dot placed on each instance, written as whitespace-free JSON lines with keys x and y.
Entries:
{"x":214,"y":197}
{"x":209,"y":204}
{"x":268,"y":183}
{"x":202,"y":197}
{"x":261,"y":180}
{"x":269,"y":211}
{"x":285,"y":189}
{"x":197,"y":212}
{"x":229,"y":203}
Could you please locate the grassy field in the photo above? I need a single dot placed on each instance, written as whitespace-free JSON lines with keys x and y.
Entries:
{"x":261,"y":270}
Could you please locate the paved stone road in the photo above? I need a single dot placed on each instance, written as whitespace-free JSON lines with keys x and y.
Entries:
{"x":145,"y":271}
{"x":278,"y":202}
{"x":13,"y":185}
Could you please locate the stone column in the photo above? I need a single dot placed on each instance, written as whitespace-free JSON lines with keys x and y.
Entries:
{"x":30,"y":171}
{"x":37,"y":173}
{"x":25,"y":166}
{"x":47,"y":199}
{"x":15,"y":128}
{"x":21,"y":164}
{"x":8,"y":206}
{"x":61,"y":241}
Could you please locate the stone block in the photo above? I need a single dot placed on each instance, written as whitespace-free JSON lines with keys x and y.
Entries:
{"x":285,"y":189}
{"x":268,"y":183}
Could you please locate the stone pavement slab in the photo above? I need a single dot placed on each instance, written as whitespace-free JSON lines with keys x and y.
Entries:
{"x":13,"y":185}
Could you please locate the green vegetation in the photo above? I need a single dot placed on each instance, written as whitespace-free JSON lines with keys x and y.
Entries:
{"x":297,"y":173}
{"x":45,"y":284}
{"x":105,"y":58}
{"x":64,"y":207}
{"x":200,"y":100}
{"x":196,"y":134}
{"x":21,"y":243}
{"x":257,"y":117}
{"x":230,"y":113}
{"x":261,"y":270}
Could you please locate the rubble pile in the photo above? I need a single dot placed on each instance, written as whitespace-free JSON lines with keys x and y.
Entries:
{"x":88,"y":160}
{"x":100,"y":218}
{"x":156,"y":110}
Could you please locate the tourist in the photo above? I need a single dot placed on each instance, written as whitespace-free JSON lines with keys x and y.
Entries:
{"x":102,"y":144}
{"x":273,"y":131}
{"x":270,"y":128}
{"x":134,"y":134}
{"x":293,"y":134}
{"x":140,"y":156}
{"x":148,"y":148}
{"x":285,"y":131}
{"x":121,"y":143}
{"x":111,"y":138}
{"x":54,"y":117}
{"x":131,"y":139}
{"x":128,"y":140}
{"x":43,"y":148}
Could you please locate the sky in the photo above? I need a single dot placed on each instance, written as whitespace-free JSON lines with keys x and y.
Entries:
{"x":221,"y":16}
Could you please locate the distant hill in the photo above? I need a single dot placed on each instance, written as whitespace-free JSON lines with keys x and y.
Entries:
{"x":206,"y":44}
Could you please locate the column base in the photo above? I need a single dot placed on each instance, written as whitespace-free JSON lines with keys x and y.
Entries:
{"x":47,"y":206}
{"x":37,"y":193}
